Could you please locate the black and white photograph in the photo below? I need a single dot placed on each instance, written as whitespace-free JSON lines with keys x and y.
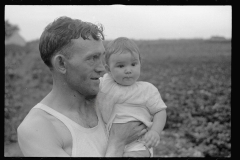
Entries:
{"x":118,"y":81}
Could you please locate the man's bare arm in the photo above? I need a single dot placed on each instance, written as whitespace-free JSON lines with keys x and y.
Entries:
{"x":38,"y":138}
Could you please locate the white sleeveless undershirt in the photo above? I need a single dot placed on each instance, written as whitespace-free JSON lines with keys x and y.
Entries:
{"x":86,"y":142}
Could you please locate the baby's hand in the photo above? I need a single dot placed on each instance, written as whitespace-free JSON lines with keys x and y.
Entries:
{"x":151,"y":139}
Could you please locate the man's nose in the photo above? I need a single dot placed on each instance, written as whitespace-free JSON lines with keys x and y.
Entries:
{"x":100,"y":68}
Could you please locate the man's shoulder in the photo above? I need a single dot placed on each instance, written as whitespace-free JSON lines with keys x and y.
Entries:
{"x":34,"y":119}
{"x":37,"y":134}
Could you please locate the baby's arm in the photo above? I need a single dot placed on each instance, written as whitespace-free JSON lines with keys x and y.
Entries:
{"x":152,"y":137}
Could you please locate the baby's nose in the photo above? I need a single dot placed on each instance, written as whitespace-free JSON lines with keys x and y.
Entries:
{"x":128,"y":71}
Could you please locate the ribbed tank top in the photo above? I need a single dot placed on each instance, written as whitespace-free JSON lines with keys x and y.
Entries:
{"x":86,"y":142}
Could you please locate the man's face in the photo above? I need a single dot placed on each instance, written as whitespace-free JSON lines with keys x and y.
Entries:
{"x":85,"y":66}
{"x":125,"y":68}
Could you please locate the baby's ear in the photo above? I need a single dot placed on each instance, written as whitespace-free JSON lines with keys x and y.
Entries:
{"x":107,"y":68}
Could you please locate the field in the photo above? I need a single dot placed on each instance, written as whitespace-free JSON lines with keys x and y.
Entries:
{"x":193,"y":77}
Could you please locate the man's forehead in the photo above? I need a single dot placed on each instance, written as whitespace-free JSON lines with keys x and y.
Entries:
{"x":89,"y":41}
{"x":87,"y":44}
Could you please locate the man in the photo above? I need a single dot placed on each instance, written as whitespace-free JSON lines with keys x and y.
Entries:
{"x":66,"y":122}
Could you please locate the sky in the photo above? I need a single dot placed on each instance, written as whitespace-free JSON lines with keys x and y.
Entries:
{"x":136,"y":22}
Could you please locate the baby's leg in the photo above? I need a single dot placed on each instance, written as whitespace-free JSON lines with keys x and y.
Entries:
{"x":141,"y":153}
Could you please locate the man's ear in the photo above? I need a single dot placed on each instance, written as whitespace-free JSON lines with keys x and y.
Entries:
{"x":59,"y":63}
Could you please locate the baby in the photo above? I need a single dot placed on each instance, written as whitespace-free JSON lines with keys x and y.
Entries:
{"x":122,"y":98}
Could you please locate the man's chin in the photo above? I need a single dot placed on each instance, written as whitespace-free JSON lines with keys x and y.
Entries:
{"x":92,"y":94}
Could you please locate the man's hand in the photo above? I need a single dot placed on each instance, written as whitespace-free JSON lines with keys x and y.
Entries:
{"x":122,"y":134}
{"x":140,"y":153}
{"x":127,"y":132}
{"x":151,"y":139}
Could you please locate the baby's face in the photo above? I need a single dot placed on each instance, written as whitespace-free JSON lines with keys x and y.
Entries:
{"x":125,"y":68}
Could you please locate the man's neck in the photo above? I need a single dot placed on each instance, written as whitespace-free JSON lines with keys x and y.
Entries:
{"x":75,"y":107}
{"x":63,"y":99}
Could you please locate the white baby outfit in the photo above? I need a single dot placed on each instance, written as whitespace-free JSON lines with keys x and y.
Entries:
{"x":121,"y":104}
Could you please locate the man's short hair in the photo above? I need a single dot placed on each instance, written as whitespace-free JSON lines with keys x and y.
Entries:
{"x":120,"y":45}
{"x":57,"y":36}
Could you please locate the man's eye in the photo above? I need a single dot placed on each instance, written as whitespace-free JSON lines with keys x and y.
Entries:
{"x":95,"y":57}
{"x":92,"y":59}
{"x":134,"y":64}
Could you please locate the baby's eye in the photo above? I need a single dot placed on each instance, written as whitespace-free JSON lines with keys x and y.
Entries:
{"x":134,"y":64}
{"x":120,"y":66}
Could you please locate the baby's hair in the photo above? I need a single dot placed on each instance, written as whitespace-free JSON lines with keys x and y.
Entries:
{"x":120,"y":45}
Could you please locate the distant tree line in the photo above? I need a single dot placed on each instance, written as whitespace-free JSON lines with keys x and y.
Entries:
{"x":10,"y":29}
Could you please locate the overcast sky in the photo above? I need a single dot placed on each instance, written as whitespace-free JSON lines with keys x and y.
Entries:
{"x":137,"y":22}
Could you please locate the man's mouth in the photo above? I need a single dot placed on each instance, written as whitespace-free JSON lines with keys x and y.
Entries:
{"x":94,"y":78}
